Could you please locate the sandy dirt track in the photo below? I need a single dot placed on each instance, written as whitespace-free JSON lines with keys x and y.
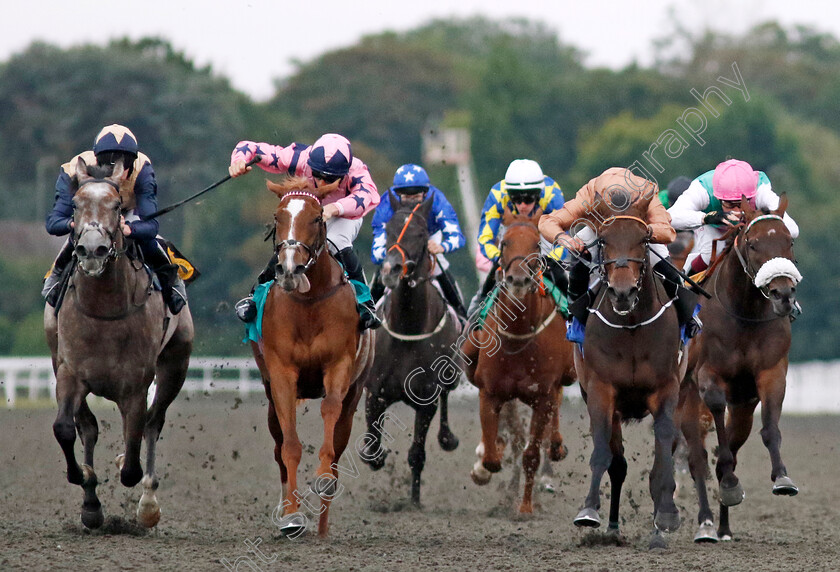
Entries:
{"x":220,"y":484}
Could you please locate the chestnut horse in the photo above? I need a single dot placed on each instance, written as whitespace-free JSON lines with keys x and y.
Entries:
{"x":630,"y":367}
{"x":112,"y":337}
{"x":416,"y":324}
{"x":740,"y":358}
{"x":311,"y":346}
{"x":520,"y":353}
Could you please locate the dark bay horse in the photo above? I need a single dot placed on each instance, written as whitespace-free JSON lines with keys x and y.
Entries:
{"x":417,"y":337}
{"x":740,"y":359}
{"x":111,"y":338}
{"x":311,"y":346}
{"x":520,"y":353}
{"x":630,"y":367}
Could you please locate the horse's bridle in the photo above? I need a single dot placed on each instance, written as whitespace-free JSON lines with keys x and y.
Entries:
{"x":113,"y":252}
{"x":312,"y":252}
{"x":504,"y":270}
{"x":622,"y":261}
{"x":405,"y":274}
{"x":745,"y":262}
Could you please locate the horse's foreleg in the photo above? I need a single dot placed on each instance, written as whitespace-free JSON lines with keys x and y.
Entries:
{"x":557,"y":451}
{"x":133,"y":410}
{"x":601,"y":404}
{"x":92,"y":516}
{"x":489,"y":408}
{"x":617,"y":471}
{"x":283,"y":390}
{"x":417,"y":453}
{"x":738,"y":428}
{"x":771,"y":392}
{"x":540,"y":417}
{"x":731,"y":491}
{"x":371,"y":450}
{"x":447,"y":439}
{"x":343,"y":428}
{"x":69,"y":397}
{"x":336,"y":385}
{"x":277,"y":435}
{"x":698,"y":462}
{"x":662,"y":484}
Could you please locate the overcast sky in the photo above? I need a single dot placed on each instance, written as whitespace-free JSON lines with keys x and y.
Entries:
{"x":252,"y":42}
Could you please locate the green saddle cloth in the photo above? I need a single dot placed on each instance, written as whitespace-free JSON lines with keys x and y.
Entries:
{"x":560,"y":301}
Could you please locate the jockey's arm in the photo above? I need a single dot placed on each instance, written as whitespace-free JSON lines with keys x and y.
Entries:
{"x":363,"y":196}
{"x":687,"y":213}
{"x":554,"y":226}
{"x":381,"y":216}
{"x":58,"y":220}
{"x":273,"y":158}
{"x":446,"y":221}
{"x":488,"y":228}
{"x":145,"y":193}
{"x":659,"y":223}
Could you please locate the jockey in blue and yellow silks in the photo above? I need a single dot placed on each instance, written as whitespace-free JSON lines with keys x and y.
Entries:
{"x":525,"y":190}
{"x":412,"y":186}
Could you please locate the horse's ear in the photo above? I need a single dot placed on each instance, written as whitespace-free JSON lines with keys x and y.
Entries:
{"x":783,"y":205}
{"x":393,"y":201}
{"x":81,"y":169}
{"x":426,"y":206}
{"x":119,"y":169}
{"x":507,"y":215}
{"x":746,"y":207}
{"x":278,"y":190}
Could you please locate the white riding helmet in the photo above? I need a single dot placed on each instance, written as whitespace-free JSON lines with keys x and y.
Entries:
{"x":524,"y":175}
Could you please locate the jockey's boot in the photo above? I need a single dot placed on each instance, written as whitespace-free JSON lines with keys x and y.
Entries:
{"x":364,"y":303}
{"x":686,"y":300}
{"x":172,"y":288}
{"x":579,"y":299}
{"x":52,"y":283}
{"x":246,"y":308}
{"x":377,"y":288}
{"x":558,"y":275}
{"x":451,"y":293}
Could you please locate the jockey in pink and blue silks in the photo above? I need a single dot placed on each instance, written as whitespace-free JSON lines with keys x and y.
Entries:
{"x":328,"y":160}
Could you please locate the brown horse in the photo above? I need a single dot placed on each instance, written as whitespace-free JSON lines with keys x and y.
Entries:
{"x":741,"y":357}
{"x":630,"y":367}
{"x":112,"y":337}
{"x":311,"y":346}
{"x":521,"y":353}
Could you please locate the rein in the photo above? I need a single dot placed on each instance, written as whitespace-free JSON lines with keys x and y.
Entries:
{"x":405,"y":260}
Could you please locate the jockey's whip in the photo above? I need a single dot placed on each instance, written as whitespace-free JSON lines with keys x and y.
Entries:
{"x":198,"y":194}
{"x":699,"y":289}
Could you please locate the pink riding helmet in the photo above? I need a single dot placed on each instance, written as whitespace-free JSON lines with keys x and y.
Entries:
{"x":733,"y":179}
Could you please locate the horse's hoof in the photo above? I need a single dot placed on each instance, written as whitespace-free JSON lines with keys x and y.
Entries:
{"x":706,"y":533}
{"x":92,"y":519}
{"x":588,"y":517}
{"x":784,"y":486}
{"x":130,"y":478}
{"x":547,"y":485}
{"x":557,"y":452}
{"x":725,"y":537}
{"x":732,"y":496}
{"x":492,"y":466}
{"x":325,"y":487}
{"x":448,"y":441}
{"x":667,"y":521}
{"x":480,"y":475}
{"x":657,"y":541}
{"x":294,"y":526}
{"x":148,"y":513}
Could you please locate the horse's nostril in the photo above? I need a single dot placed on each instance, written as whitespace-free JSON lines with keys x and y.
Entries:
{"x":300,"y":269}
{"x":101,"y":251}
{"x":81,"y":251}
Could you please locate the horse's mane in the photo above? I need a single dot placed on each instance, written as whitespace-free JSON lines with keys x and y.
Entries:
{"x":299,"y":184}
{"x":729,"y":242}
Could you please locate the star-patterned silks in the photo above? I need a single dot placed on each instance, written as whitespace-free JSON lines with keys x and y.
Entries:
{"x":244,"y":149}
{"x":118,"y":131}
{"x":360,"y":202}
{"x":274,"y":161}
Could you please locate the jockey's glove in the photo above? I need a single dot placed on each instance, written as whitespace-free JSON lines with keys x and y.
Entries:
{"x":714,"y":217}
